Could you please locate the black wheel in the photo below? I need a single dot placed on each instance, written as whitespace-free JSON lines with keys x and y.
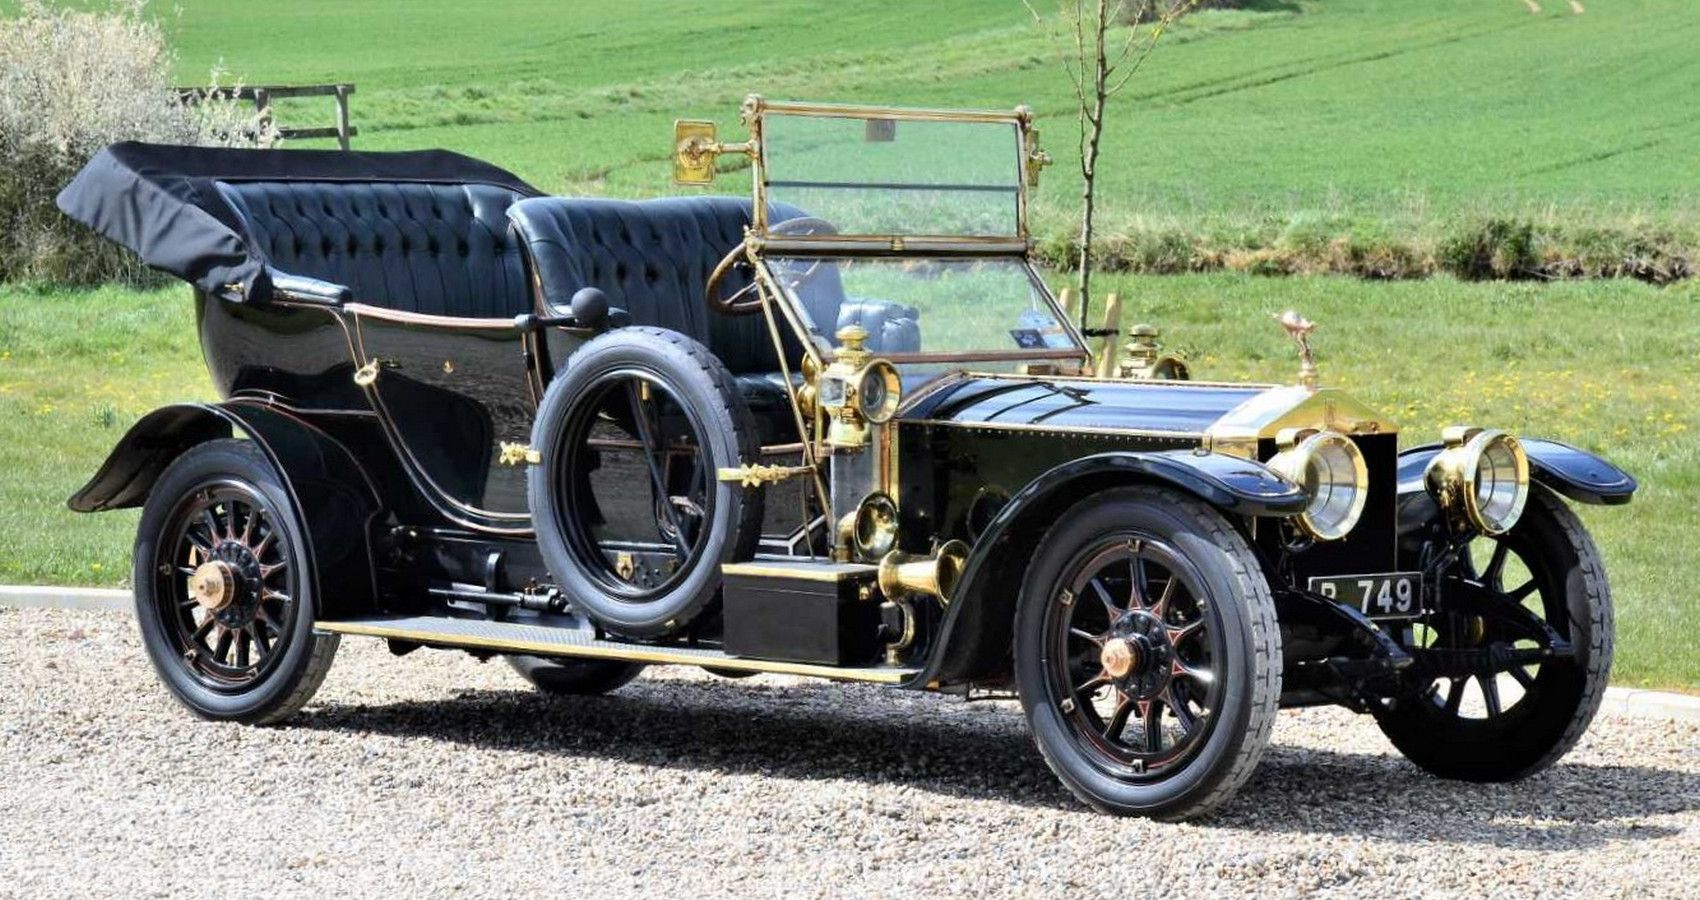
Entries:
{"x":1513,"y":715}
{"x":630,"y":514}
{"x":582,"y":677}
{"x":224,"y":600}
{"x":1146,"y":653}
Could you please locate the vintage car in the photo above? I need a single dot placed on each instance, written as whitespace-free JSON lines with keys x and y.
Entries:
{"x":842,"y":430}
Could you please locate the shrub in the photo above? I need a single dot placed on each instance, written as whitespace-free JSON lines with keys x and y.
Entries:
{"x":1140,"y":11}
{"x":71,"y":82}
{"x":1496,"y":248}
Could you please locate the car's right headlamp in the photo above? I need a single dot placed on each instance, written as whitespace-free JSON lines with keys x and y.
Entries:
{"x":1481,"y":479}
{"x":1331,"y":469}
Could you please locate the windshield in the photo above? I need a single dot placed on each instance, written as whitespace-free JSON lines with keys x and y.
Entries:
{"x":871,"y":176}
{"x":922,"y":309}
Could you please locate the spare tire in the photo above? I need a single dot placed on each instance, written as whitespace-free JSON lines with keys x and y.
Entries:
{"x":631,"y":517}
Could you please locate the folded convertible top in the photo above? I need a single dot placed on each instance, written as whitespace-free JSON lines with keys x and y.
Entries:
{"x":162,"y":201}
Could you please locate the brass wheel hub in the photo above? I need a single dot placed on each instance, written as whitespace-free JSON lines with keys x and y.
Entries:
{"x":213,"y":585}
{"x":1119,"y":657}
{"x":1138,"y":655}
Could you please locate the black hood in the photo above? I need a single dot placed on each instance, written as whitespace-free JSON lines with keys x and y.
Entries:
{"x":1177,"y":407}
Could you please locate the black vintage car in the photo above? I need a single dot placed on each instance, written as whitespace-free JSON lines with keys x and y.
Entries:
{"x":843,"y":430}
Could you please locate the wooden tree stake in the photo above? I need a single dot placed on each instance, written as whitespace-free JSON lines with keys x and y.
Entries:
{"x":1110,"y":345}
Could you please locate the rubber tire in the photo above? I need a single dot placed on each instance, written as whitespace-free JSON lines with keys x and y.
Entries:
{"x":1544,"y":733}
{"x":575,"y":677}
{"x":1252,"y":676}
{"x":308,"y":658}
{"x":699,"y":380}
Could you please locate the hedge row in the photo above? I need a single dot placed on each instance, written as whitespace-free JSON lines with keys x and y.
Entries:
{"x":1499,"y":249}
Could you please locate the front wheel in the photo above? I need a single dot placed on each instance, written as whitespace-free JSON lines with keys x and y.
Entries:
{"x":1147,"y":655}
{"x":1510,"y":717}
{"x":224,"y":600}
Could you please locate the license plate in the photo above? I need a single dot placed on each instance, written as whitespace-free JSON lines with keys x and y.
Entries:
{"x":1389,"y":595}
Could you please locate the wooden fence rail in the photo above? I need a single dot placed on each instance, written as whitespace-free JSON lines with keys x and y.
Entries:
{"x":262,"y":96}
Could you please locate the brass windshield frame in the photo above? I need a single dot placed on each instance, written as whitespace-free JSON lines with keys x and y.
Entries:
{"x":756,"y":108}
{"x":760,"y":244}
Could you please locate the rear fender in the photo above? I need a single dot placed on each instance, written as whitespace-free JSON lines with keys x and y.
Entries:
{"x":974,"y":638}
{"x":334,"y":498}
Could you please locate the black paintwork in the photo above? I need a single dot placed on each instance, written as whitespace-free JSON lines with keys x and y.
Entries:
{"x":1180,"y":409}
{"x":406,"y":503}
{"x":1371,"y":545}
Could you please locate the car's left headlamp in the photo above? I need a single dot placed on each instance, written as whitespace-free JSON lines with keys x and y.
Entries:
{"x":1331,"y":469}
{"x":1481,"y":479}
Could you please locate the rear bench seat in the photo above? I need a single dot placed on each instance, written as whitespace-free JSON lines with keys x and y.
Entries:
{"x":440,"y":249}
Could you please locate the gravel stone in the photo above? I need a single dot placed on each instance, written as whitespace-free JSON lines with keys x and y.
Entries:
{"x":436,"y":775}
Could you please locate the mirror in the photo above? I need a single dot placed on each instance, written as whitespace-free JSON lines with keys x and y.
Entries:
{"x":694,"y":150}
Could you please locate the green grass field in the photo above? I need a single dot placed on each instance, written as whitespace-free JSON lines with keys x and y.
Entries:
{"x":1608,"y":366}
{"x":1319,"y":114}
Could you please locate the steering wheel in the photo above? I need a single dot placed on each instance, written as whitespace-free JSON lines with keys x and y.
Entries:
{"x":746,"y":301}
{"x":804,"y":226}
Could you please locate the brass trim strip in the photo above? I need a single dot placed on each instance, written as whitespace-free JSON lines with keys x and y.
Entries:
{"x":883,"y":244}
{"x":413,"y":318}
{"x":858,"y":111}
{"x":1058,"y":429}
{"x":1093,"y":380}
{"x":828,"y":572}
{"x":629,"y":653}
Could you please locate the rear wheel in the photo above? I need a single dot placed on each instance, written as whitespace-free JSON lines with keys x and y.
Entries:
{"x":1509,"y":717}
{"x":1146,"y":654}
{"x":575,"y":676}
{"x":224,"y":600}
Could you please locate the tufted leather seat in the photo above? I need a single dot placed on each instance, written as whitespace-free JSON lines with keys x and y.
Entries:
{"x":653,"y":258}
{"x":442,"y":249}
{"x":469,"y":250}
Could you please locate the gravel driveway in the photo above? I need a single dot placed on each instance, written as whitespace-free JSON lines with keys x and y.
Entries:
{"x":434,"y":774}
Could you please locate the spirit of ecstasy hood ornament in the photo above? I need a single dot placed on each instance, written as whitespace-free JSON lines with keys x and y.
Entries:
{"x":1299,"y":329}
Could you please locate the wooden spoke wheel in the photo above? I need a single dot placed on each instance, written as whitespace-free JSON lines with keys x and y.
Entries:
{"x":224,"y":598}
{"x":1133,"y":656}
{"x":1513,"y":666}
{"x":227,"y":574}
{"x":1147,"y":655}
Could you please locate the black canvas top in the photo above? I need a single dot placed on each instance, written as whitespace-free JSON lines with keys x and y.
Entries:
{"x":162,"y":201}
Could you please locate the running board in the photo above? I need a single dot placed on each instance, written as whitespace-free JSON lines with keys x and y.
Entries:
{"x":542,"y":640}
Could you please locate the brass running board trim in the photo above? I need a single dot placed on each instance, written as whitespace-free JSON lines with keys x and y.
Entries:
{"x":802,"y":569}
{"x":543,"y":640}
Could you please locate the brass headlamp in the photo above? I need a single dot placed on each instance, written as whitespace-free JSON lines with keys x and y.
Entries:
{"x":1331,"y":469}
{"x":1481,"y":479}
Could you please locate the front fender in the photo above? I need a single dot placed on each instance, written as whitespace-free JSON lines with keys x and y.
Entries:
{"x":975,"y":634}
{"x":336,"y":501}
{"x":1573,"y":472}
